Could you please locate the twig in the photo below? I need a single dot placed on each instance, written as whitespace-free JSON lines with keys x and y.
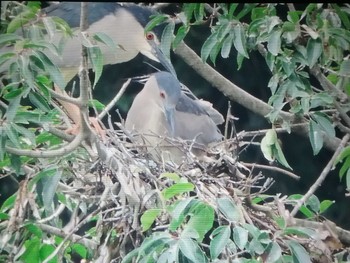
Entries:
{"x":90,"y":244}
{"x":321,"y":178}
{"x":273,"y":168}
{"x":114,"y":101}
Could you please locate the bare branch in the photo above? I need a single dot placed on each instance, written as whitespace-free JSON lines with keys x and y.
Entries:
{"x":321,"y":178}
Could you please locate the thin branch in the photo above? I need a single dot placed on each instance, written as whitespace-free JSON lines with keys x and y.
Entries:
{"x":63,"y":150}
{"x":328,"y":86}
{"x":114,"y":101}
{"x":272,"y":168}
{"x":321,"y":178}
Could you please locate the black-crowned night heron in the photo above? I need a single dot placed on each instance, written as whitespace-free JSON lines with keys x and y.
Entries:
{"x":162,"y":110}
{"x":123,"y":23}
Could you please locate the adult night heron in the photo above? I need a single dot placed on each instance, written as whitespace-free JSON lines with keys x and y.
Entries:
{"x":124,"y":24}
{"x":162,"y":110}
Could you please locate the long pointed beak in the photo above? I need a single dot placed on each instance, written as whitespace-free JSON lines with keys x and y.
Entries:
{"x":170,"y":115}
{"x":162,"y":58}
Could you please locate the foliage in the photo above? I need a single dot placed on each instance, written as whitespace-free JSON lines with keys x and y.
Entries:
{"x":123,"y":208}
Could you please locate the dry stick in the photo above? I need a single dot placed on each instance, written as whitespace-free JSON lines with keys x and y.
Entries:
{"x":114,"y":101}
{"x":237,"y":94}
{"x":321,"y":178}
{"x":272,"y":168}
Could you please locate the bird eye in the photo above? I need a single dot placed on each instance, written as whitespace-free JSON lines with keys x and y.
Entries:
{"x":162,"y":95}
{"x":149,"y":36}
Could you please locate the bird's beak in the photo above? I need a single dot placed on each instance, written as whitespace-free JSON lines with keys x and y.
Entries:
{"x":161,"y":58}
{"x":169,"y":115}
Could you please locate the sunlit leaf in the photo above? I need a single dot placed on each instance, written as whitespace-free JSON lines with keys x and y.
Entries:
{"x":148,"y":218}
{"x":325,"y":204}
{"x":177,"y":189}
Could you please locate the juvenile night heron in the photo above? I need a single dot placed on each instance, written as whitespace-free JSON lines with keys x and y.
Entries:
{"x":161,"y":110}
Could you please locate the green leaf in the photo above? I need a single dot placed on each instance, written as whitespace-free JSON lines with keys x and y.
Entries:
{"x":9,"y":203}
{"x":316,"y":137}
{"x":173,"y":176}
{"x":20,"y":20}
{"x":12,"y":135}
{"x":9,"y":38}
{"x":306,"y":212}
{"x":300,"y":231}
{"x":50,"y":26}
{"x":25,"y":132}
{"x":177,"y":189}
{"x":274,"y":42}
{"x":343,"y":16}
{"x":202,"y":219}
{"x":80,"y":250}
{"x":229,"y":209}
{"x":45,"y":251}
{"x":106,"y":39}
{"x":324,"y":123}
{"x":96,"y":59}
{"x":345,"y":68}
{"x":51,"y":68}
{"x":280,"y":156}
{"x":240,"y":237}
{"x":344,"y":167}
{"x":348,"y":180}
{"x":314,"y":51}
{"x":167,"y":38}
{"x":180,"y":35}
{"x":50,"y":184}
{"x":274,"y":252}
{"x":39,"y":101}
{"x":221,"y":236}
{"x":207,"y":47}
{"x":267,"y":142}
{"x":191,"y":250}
{"x":313,"y":203}
{"x":148,"y":218}
{"x":158,"y":19}
{"x":31,"y":253}
{"x":35,"y":230}
{"x":325,"y":204}
{"x":239,"y":40}
{"x":226,"y":46}
{"x":299,"y":253}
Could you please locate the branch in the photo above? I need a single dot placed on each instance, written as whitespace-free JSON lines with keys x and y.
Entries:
{"x":90,"y":244}
{"x":321,"y":178}
{"x":63,"y":150}
{"x":272,"y":168}
{"x":113,"y":102}
{"x":328,"y":86}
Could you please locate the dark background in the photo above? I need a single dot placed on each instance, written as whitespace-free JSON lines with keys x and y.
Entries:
{"x":252,"y":77}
